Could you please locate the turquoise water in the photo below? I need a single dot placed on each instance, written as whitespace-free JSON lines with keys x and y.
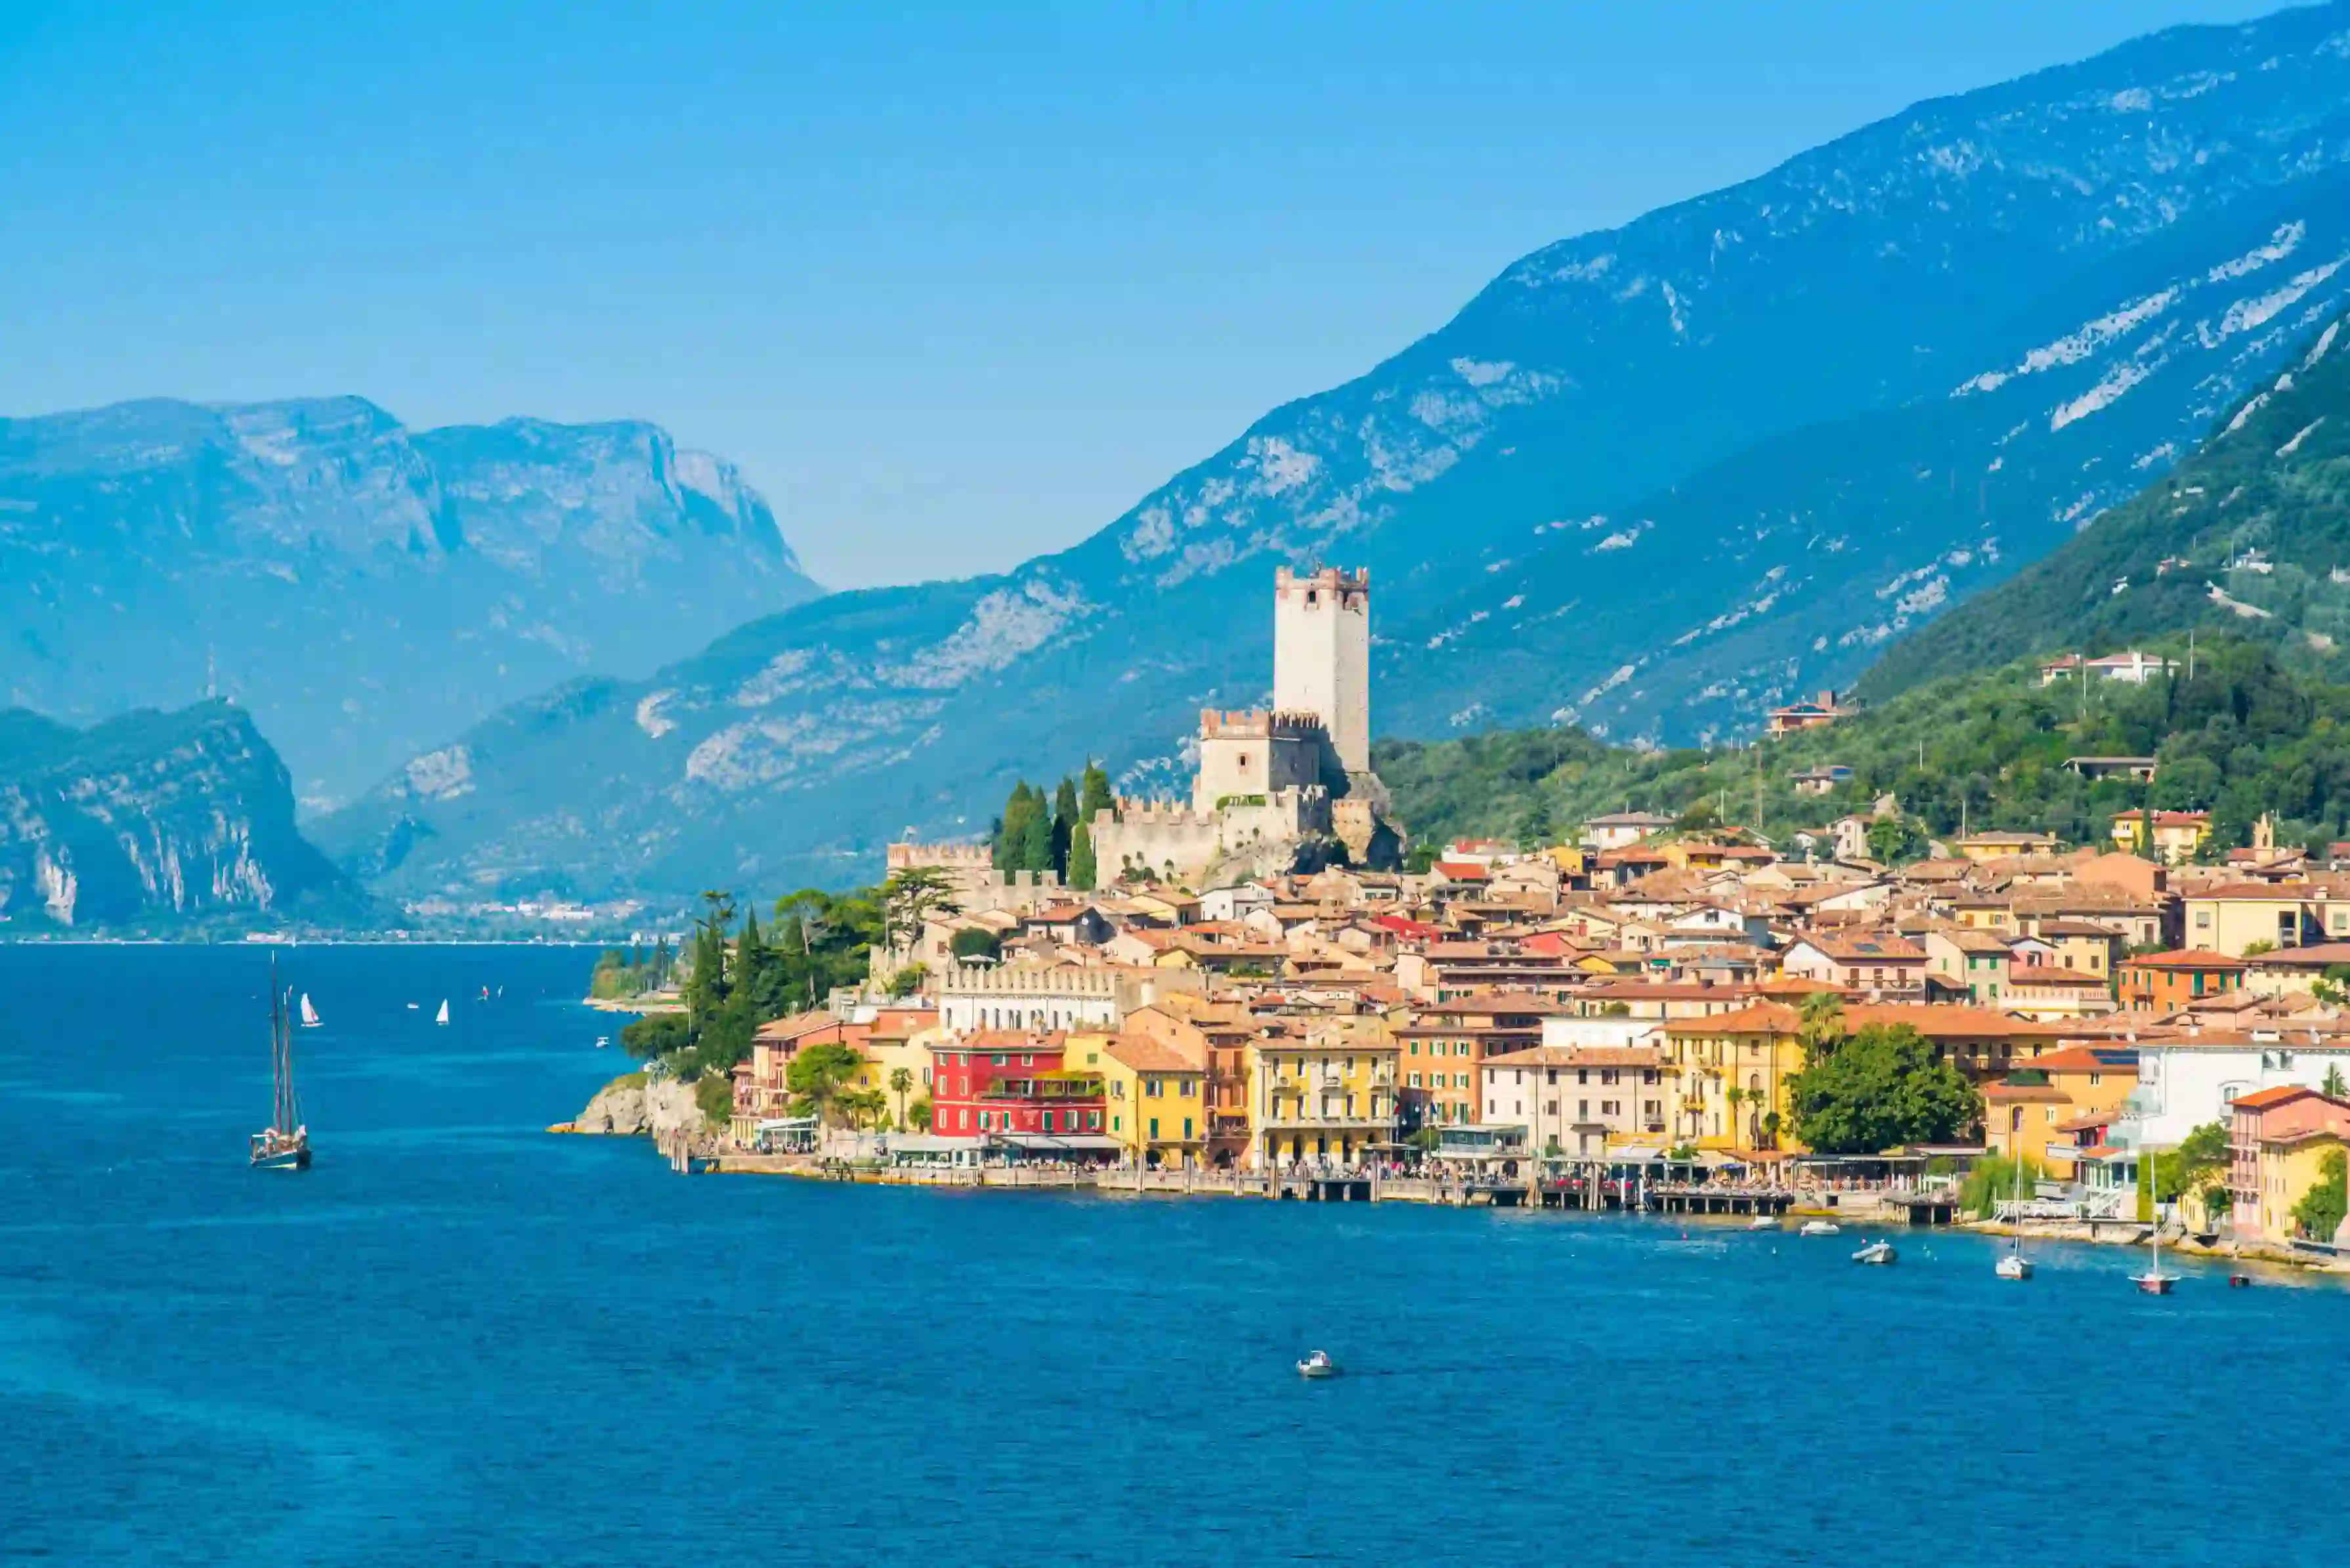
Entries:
{"x":459,"y":1340}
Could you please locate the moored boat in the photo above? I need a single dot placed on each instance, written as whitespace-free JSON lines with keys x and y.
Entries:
{"x":1318,"y":1364}
{"x":1820,"y":1228}
{"x":2154,"y":1281}
{"x":1878,"y":1252}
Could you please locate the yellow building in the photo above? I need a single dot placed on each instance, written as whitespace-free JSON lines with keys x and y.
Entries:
{"x":1329,"y":1095}
{"x":2039,"y":1108}
{"x":1154,"y":1096}
{"x":2233,"y":919}
{"x":2286,"y":1168}
{"x":897,"y":1040}
{"x":1726,"y":1077}
{"x":2176,"y":835}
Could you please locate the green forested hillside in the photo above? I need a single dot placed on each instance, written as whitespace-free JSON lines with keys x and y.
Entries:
{"x":2248,"y":733}
{"x":2252,"y":532}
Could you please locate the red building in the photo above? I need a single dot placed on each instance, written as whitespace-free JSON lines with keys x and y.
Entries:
{"x":1007,"y":1082}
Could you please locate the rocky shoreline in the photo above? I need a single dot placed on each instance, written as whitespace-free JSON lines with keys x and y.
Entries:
{"x":636,"y":1105}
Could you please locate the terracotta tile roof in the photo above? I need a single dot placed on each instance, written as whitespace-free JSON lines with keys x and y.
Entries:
{"x":2262,"y":1099}
{"x":1938,"y":1022}
{"x":2184,"y":958}
{"x":1578,"y":1056}
{"x":2087,"y":1059}
{"x":1754,"y":1018}
{"x":1144,"y":1054}
{"x":2032,"y":1093}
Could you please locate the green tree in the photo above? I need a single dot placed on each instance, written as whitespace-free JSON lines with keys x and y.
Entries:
{"x":2332,"y":1086}
{"x":2198,"y":1167}
{"x":1536,"y":829}
{"x":1820,"y":1024}
{"x":1064,"y":825}
{"x":901,"y":1081}
{"x":1083,"y":875}
{"x":861,"y":1107}
{"x":922,"y":1114}
{"x":818,"y":1077}
{"x":1991,"y":1182}
{"x":1892,"y":839}
{"x":2320,"y":1209}
{"x":1036,"y":840}
{"x":908,"y":979}
{"x":1093,"y":793}
{"x":656,"y":1034}
{"x":975,"y":942}
{"x":1878,"y":1089}
{"x":912,"y":896}
{"x":1017,"y":833}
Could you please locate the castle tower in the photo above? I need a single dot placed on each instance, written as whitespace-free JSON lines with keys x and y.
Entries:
{"x":1322,"y":654}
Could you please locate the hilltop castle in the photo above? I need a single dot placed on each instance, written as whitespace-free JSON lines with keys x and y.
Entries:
{"x":1280,"y":788}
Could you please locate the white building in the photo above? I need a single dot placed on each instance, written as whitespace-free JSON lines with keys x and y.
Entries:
{"x":1040,"y":997}
{"x":2184,"y":1083}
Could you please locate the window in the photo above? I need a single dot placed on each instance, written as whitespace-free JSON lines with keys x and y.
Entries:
{"x":1583,"y":1110}
{"x":1027,"y":1060}
{"x":1154,"y":1129}
{"x":1114,"y":1123}
{"x":999,"y":1058}
{"x":1187,"y":1129}
{"x":1151,"y":1087}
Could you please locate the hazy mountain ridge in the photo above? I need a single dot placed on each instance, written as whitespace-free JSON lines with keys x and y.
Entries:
{"x":367,"y":590}
{"x":155,"y":821}
{"x":2251,"y":533}
{"x":1628,"y":485}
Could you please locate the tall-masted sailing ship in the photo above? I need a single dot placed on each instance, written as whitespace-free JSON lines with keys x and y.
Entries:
{"x":284,"y":1143}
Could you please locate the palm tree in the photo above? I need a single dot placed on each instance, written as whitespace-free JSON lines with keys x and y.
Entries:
{"x":1821,"y":1025}
{"x":1734,"y":1096}
{"x":902,"y":1079}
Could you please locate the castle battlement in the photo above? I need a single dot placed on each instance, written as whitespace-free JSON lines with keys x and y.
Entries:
{"x":948,"y":856}
{"x":1350,"y":590}
{"x":1256,"y":725}
{"x":1161,"y":814}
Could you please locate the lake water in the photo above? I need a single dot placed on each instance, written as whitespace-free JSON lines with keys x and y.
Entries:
{"x":459,"y":1340}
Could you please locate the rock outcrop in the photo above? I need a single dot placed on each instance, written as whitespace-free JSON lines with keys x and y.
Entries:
{"x":639,"y":1106}
{"x":156,"y":822}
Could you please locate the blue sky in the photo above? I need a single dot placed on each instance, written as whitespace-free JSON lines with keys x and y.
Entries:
{"x":952,"y":284}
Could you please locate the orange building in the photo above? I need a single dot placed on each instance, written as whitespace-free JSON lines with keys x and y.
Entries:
{"x":2161,"y":981}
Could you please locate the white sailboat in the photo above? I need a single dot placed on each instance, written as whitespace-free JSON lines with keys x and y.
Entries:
{"x":2015,"y":1266}
{"x":442,"y":1016}
{"x":310,"y":1019}
{"x":2154,"y":1281}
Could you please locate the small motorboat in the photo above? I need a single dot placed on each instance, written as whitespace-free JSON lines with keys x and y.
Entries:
{"x":1762,"y":1222}
{"x":602,"y":1041}
{"x":2239,"y":1282}
{"x":1819,"y":1227}
{"x":1318,"y":1364}
{"x":2014,"y":1266}
{"x":1877,"y":1252}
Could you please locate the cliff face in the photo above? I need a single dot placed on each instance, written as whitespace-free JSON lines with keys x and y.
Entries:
{"x":366,"y":589}
{"x":154,"y":822}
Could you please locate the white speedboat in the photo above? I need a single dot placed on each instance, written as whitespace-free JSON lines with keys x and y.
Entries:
{"x":1318,"y":1364}
{"x":1878,"y":1252}
{"x":1819,"y":1227}
{"x":2014,"y":1266}
{"x":1762,"y":1222}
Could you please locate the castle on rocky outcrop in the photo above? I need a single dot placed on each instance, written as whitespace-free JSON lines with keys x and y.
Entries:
{"x":1281,"y":789}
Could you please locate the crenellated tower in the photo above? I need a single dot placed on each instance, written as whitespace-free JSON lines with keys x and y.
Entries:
{"x":1322,"y":656}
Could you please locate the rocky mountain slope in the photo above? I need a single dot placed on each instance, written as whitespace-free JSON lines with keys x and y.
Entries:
{"x":155,"y":821}
{"x":1649,"y":481}
{"x":2251,"y":532}
{"x":364,"y":588}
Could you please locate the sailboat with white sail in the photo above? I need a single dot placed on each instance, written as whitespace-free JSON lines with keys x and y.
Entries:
{"x":310,"y":1019}
{"x":284,"y":1143}
{"x":442,"y":1016}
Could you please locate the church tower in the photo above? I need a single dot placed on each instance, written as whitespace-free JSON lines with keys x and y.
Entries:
{"x":1322,"y":656}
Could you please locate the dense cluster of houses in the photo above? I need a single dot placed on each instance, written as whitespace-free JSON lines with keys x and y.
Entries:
{"x":1640,"y":994}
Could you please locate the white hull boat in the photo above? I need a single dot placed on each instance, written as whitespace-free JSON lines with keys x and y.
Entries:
{"x":1880,"y":1253}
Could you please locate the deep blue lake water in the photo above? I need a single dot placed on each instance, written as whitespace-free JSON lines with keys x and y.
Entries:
{"x":458,"y":1339}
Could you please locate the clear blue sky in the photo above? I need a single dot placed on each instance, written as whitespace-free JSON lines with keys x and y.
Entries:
{"x":952,"y":284}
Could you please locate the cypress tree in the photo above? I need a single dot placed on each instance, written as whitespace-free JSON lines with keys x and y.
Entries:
{"x":1037,"y":837}
{"x":1093,"y":793}
{"x":1082,"y":872}
{"x":1065,"y":821}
